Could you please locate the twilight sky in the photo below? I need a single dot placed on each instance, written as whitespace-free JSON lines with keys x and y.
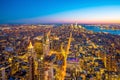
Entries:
{"x":59,"y":11}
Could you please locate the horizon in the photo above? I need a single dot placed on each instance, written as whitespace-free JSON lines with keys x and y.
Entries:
{"x":59,"y":23}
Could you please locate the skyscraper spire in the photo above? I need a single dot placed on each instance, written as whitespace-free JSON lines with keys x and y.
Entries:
{"x":30,"y":46}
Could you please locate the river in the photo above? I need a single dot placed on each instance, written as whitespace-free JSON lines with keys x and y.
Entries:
{"x":97,"y":29}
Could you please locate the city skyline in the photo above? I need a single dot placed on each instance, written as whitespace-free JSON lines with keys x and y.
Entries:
{"x":59,"y":39}
{"x":88,"y":12}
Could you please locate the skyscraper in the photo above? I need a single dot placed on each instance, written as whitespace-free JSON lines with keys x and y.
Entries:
{"x":31,"y":68}
{"x":46,"y":44}
{"x":76,"y":25}
{"x":31,"y":59}
{"x":48,"y":74}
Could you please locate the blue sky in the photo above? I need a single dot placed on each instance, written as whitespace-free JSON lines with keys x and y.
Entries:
{"x":59,"y":11}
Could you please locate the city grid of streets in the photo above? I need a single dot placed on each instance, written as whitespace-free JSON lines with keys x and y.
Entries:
{"x":67,"y":52}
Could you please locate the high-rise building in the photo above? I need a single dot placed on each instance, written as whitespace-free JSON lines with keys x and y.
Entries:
{"x":76,"y":25}
{"x":31,"y":68}
{"x":41,"y":70}
{"x":31,"y":59}
{"x":48,"y":74}
{"x":51,"y":74}
{"x":3,"y":74}
{"x":46,"y":44}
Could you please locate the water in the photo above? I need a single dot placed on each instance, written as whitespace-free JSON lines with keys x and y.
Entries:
{"x":97,"y":29}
